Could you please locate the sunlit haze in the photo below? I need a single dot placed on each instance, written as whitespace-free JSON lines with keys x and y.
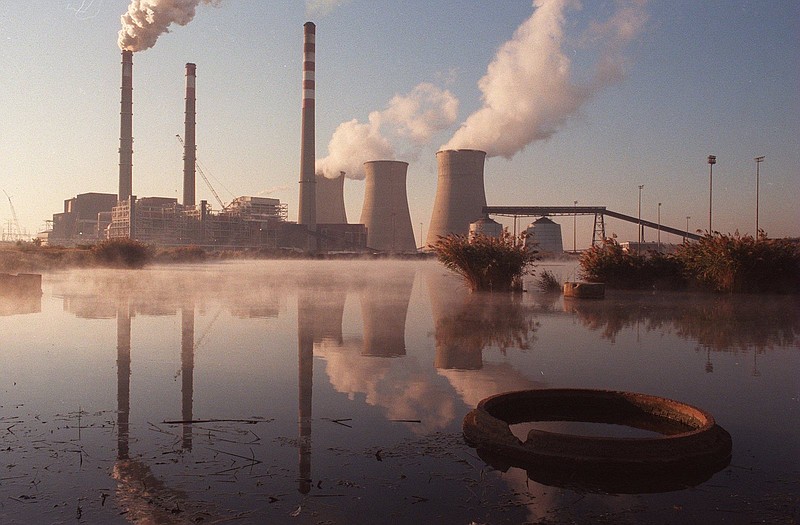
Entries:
{"x":572,"y":102}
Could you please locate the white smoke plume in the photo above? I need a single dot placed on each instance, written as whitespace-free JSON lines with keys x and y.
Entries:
{"x":146,"y":20}
{"x":528,"y":90}
{"x":411,"y":120}
{"x":319,"y":8}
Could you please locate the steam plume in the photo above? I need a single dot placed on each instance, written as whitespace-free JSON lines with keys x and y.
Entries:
{"x":146,"y":20}
{"x":318,"y":8}
{"x":410,"y":120}
{"x":528,"y":90}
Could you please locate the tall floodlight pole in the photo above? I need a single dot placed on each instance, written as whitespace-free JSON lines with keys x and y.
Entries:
{"x":639,"y":246}
{"x":759,"y":160}
{"x":687,"y":228}
{"x":711,"y":161}
{"x":659,"y":227}
{"x":574,"y":227}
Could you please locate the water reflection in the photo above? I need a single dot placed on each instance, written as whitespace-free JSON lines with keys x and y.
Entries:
{"x":719,"y":323}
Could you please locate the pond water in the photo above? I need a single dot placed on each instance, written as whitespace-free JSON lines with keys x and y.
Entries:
{"x":332,"y":392}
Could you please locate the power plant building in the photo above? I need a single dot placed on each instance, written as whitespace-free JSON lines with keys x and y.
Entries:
{"x":460,"y":193}
{"x":385,"y":211}
{"x":544,"y":235}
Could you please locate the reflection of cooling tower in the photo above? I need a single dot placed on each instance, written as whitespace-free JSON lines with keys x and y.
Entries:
{"x":384,"y":317}
{"x":190,"y":144}
{"x":126,"y":128}
{"x":385,"y":212}
{"x":460,"y":196}
{"x":454,"y":348}
{"x":330,"y":200}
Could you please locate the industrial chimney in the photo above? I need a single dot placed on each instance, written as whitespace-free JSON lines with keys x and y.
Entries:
{"x":460,"y":195}
{"x":385,"y":212}
{"x":190,"y":144}
{"x":126,"y":129}
{"x":307,"y":213}
{"x":330,"y":200}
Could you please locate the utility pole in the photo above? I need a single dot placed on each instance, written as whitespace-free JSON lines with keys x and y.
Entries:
{"x":759,"y":160}
{"x":711,"y":161}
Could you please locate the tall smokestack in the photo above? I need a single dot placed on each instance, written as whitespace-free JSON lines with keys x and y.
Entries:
{"x":330,"y":200}
{"x":190,"y":145}
{"x":307,"y":213}
{"x":460,"y":195}
{"x":385,"y":211}
{"x":126,"y":129}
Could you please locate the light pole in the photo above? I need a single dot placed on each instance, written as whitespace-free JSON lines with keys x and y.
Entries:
{"x":659,"y":227}
{"x":711,"y":161}
{"x":574,"y":227}
{"x":759,"y":160}
{"x":639,"y":245}
{"x":687,"y":228}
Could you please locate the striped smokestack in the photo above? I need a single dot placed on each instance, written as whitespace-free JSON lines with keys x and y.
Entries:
{"x":126,"y":128}
{"x":307,"y":213}
{"x":190,"y":145}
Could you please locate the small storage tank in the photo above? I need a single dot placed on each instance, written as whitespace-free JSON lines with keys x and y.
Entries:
{"x":486,"y":226}
{"x":545,"y":236}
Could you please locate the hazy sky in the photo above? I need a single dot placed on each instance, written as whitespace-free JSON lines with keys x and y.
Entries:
{"x":587,"y":102}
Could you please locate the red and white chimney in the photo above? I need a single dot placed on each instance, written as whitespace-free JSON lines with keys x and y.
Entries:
{"x":307,"y":213}
{"x":126,"y":129}
{"x":190,"y":145}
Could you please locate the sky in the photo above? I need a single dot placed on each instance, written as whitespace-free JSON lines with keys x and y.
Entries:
{"x":573,"y":102}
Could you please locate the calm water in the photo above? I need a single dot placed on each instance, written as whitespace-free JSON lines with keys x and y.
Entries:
{"x":333,"y":392}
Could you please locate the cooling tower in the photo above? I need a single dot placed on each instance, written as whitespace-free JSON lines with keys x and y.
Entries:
{"x":126,"y":129}
{"x":330,"y":200}
{"x":307,"y":213}
{"x":460,"y":196}
{"x":190,"y":145}
{"x":385,"y":212}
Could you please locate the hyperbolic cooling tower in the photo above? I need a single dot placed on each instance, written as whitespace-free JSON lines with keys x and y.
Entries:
{"x":460,"y":196}
{"x":126,"y":128}
{"x":385,"y":212}
{"x":330,"y":200}
{"x":307,"y":210}
{"x":190,"y":145}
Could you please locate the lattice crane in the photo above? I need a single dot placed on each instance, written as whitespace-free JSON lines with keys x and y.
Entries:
{"x":202,"y":174}
{"x":14,"y":215}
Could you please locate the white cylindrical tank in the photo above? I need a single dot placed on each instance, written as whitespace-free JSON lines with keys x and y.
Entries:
{"x":385,"y":212}
{"x":460,"y":195}
{"x":330,"y":200}
{"x":544,"y":235}
{"x":486,"y":226}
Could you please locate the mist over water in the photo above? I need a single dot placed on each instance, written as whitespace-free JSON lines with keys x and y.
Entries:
{"x":300,"y":391}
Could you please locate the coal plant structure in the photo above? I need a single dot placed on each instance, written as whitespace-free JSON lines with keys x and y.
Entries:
{"x":330,"y":200}
{"x":307,"y":213}
{"x":460,"y":193}
{"x":385,"y":211}
{"x":126,"y":129}
{"x":189,"y":143}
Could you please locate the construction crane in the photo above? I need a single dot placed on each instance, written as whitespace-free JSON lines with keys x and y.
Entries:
{"x":14,"y":215}
{"x":202,"y":174}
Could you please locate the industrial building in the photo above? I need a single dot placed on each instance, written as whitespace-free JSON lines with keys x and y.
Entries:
{"x":544,"y":235}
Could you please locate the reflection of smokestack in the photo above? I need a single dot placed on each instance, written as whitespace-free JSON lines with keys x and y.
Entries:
{"x":330,"y":200}
{"x":305,"y":351}
{"x":190,"y":145}
{"x":307,"y":211}
{"x":385,"y":212}
{"x":126,"y":129}
{"x":460,"y":196}
{"x":123,"y":378}
{"x":187,"y":372}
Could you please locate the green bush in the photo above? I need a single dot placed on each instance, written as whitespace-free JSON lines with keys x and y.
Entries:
{"x":121,"y":253}
{"x":487,"y":263}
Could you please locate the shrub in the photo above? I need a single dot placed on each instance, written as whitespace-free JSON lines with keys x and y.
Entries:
{"x":548,"y":282}
{"x":610,"y":264}
{"x":486,"y":263}
{"x":182,"y":254}
{"x":121,"y":253}
{"x":736,"y":263}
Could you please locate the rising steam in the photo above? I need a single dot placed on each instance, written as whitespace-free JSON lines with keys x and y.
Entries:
{"x":410,"y":119}
{"x":319,"y":8}
{"x":146,"y":20}
{"x":528,"y":90}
